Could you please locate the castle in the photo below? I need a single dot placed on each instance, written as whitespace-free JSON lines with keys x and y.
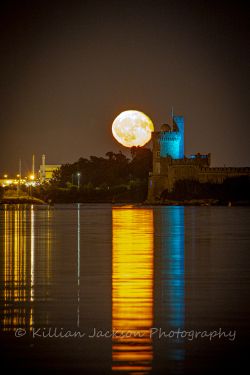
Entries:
{"x":170,"y":163}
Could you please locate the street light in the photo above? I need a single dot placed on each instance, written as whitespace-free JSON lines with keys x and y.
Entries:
{"x":6,"y":179}
{"x":78,"y":174}
{"x":32,"y":178}
{"x":18,"y":175}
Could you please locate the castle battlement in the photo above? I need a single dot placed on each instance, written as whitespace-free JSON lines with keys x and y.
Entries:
{"x":193,"y":160}
{"x":179,"y":118}
{"x":226,"y":170}
{"x":168,"y":136}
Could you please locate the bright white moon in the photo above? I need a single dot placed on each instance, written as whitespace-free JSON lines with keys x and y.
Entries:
{"x":132,"y":128}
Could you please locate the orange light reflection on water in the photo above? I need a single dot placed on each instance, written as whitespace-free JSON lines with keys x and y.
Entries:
{"x":15,"y":268}
{"x":132,"y":289}
{"x":20,"y":250}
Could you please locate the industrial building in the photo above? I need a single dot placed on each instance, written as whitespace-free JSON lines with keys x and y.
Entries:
{"x":45,"y":172}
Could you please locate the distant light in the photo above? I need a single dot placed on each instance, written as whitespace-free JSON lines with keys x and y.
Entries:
{"x":32,"y":177}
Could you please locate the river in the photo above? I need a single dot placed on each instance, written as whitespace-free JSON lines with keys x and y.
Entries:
{"x":124,"y":289}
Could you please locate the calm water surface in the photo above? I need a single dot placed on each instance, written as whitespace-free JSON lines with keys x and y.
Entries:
{"x":102,"y":289}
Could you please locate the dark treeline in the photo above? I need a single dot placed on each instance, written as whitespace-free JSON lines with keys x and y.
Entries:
{"x":1,"y":192}
{"x":114,"y":178}
{"x":233,"y":189}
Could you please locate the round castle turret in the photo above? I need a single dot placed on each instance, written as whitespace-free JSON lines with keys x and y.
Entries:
{"x":165,"y":128}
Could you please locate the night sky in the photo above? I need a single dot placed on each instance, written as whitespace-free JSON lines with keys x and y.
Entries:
{"x":68,"y":68}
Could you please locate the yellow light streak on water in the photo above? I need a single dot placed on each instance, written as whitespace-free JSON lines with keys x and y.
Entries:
{"x":132,"y":288}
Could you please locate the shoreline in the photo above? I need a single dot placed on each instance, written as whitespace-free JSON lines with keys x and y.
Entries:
{"x":21,"y":201}
{"x":198,"y":202}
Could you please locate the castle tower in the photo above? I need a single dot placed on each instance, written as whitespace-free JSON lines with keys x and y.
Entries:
{"x":178,"y":124}
{"x":168,"y":148}
{"x":170,"y":141}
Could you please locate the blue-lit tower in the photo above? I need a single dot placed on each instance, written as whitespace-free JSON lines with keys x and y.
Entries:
{"x":178,"y":128}
{"x":171,"y":141}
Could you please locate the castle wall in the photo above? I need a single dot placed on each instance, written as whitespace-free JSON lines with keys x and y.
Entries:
{"x":156,"y":185}
{"x":176,"y":171}
{"x":156,"y":151}
{"x":218,"y":175}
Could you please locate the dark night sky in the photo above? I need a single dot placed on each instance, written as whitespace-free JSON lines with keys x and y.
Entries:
{"x":68,"y":68}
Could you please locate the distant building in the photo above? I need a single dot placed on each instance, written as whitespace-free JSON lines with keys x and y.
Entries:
{"x":45,"y":172}
{"x":170,"y":164}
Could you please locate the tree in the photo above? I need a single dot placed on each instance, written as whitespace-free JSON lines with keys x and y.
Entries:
{"x":1,"y":192}
{"x":110,"y":155}
{"x":142,"y":162}
{"x":98,"y":172}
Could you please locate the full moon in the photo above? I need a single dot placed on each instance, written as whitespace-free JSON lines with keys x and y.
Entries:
{"x":132,"y":128}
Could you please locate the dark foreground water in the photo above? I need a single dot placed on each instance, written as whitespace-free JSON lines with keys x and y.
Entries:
{"x":102,"y":289}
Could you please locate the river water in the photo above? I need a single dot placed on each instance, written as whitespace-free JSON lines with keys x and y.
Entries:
{"x":104,"y":289}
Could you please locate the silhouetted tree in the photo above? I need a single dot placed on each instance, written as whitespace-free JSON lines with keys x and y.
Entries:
{"x":104,"y":178}
{"x":1,"y":192}
{"x":142,"y":162}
